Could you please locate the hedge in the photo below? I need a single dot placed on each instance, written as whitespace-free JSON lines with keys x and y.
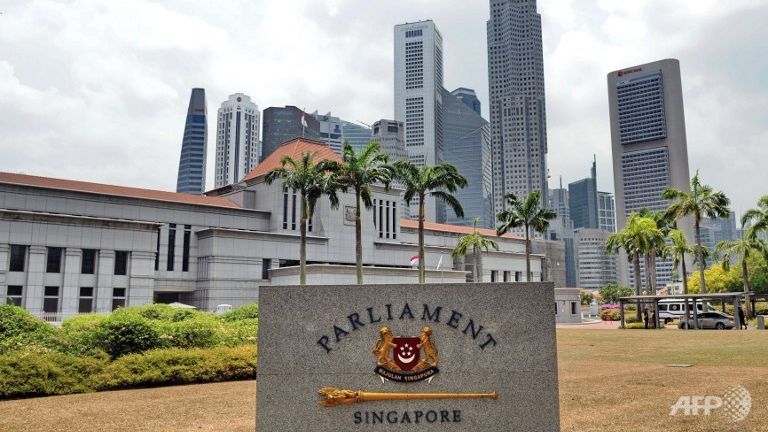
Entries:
{"x":29,"y":374}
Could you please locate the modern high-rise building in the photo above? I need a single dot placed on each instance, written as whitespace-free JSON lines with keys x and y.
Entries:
{"x":725,"y":229}
{"x":237,"y":139}
{"x":606,"y":212}
{"x":649,"y":144}
{"x":282,"y":124}
{"x":469,"y":97}
{"x":358,"y":136}
{"x":595,"y":267}
{"x":330,"y":131}
{"x":467,"y":145}
{"x":391,"y":137}
{"x":561,"y":228}
{"x":194,"y":146}
{"x":582,"y":199}
{"x":516,"y":98}
{"x":418,"y":95}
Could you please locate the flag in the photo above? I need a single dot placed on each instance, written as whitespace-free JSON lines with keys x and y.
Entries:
{"x":303,"y":121}
{"x":414,"y":261}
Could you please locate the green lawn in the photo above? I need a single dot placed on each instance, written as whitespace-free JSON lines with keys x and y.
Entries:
{"x":610,"y":380}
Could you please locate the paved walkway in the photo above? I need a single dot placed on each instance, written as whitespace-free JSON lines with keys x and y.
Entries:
{"x":597,"y":325}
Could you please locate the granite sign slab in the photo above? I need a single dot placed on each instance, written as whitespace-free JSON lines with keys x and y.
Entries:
{"x":479,"y":357}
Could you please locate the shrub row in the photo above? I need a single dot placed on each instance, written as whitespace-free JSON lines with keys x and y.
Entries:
{"x":27,"y":374}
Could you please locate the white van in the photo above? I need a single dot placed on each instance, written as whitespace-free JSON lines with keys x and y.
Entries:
{"x":674,"y":309}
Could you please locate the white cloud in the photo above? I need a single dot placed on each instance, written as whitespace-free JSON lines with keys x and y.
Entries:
{"x":97,"y":90}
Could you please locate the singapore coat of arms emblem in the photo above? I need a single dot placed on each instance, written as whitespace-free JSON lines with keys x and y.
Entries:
{"x":400,"y":358}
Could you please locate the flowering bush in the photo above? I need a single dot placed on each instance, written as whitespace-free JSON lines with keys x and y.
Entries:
{"x":610,"y":315}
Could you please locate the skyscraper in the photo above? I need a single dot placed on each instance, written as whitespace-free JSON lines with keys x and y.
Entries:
{"x":237,"y":139}
{"x":418,"y":91}
{"x":516,"y":97}
{"x":596,"y":268}
{"x":330,"y":131}
{"x":469,"y":97}
{"x":467,"y":145}
{"x":194,"y":146}
{"x":358,"y":136}
{"x":562,"y":229}
{"x":284,"y":124}
{"x":582,"y":200}
{"x":606,"y":211}
{"x":649,"y":145}
{"x":391,"y":137}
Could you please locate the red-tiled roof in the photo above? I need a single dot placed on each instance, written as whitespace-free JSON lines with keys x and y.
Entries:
{"x":104,"y":189}
{"x":294,"y":148}
{"x":431,"y":226}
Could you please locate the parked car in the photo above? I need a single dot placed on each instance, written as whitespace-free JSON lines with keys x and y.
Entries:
{"x":674,"y":309}
{"x":711,"y":320}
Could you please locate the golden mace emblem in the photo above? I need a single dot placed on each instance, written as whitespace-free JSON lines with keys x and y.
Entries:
{"x":332,"y":396}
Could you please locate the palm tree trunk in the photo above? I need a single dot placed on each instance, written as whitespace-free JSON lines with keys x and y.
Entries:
{"x":528,"y":275}
{"x":422,"y":273}
{"x":303,"y":242}
{"x":636,"y":264}
{"x":358,"y":240}
{"x":478,"y":275}
{"x":685,"y":291}
{"x":745,"y":274}
{"x":700,"y":252}
{"x":653,"y":272}
{"x":647,"y":259}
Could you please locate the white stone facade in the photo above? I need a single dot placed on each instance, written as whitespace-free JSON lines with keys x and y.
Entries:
{"x":223,"y":247}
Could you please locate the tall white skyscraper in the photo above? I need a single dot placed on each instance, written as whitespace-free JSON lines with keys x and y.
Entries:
{"x":516,"y":95}
{"x":237,"y":139}
{"x":418,"y":98}
{"x":650,"y":151}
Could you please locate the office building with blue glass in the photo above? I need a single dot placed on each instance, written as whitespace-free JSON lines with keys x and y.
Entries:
{"x":191,"y":176}
{"x":467,"y":146}
{"x":282,"y":124}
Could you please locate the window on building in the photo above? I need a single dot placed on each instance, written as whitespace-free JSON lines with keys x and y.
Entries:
{"x":266,"y":264}
{"x":18,"y":258}
{"x":556,"y":308}
{"x":494,"y":275}
{"x":573,"y":308}
{"x":157,"y":251}
{"x":394,"y":220}
{"x":85,"y":304}
{"x":118,"y":298}
{"x":518,"y":276}
{"x":507,"y":275}
{"x":14,"y":294}
{"x":51,"y":299}
{"x":285,"y":210}
{"x":293,"y":213}
{"x":53,"y":260}
{"x":121,"y":263}
{"x":185,"y":250}
{"x":171,"y":246}
{"x":88,"y":264}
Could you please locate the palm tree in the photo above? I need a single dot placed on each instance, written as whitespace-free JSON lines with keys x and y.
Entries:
{"x":311,"y":180}
{"x":359,"y":170}
{"x":527,"y":214}
{"x":758,"y":218}
{"x":429,"y":180}
{"x":678,"y":247}
{"x":701,"y":201}
{"x":477,"y":242}
{"x":656,"y":245}
{"x":742,"y":248}
{"x":634,"y":239}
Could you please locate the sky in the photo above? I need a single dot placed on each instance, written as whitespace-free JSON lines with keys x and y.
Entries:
{"x":98,"y":90}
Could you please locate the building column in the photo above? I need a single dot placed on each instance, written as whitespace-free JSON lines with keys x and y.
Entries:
{"x":104,"y":287}
{"x":33,"y":297}
{"x":141,"y":284}
{"x":4,"y":258}
{"x":70,"y":294}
